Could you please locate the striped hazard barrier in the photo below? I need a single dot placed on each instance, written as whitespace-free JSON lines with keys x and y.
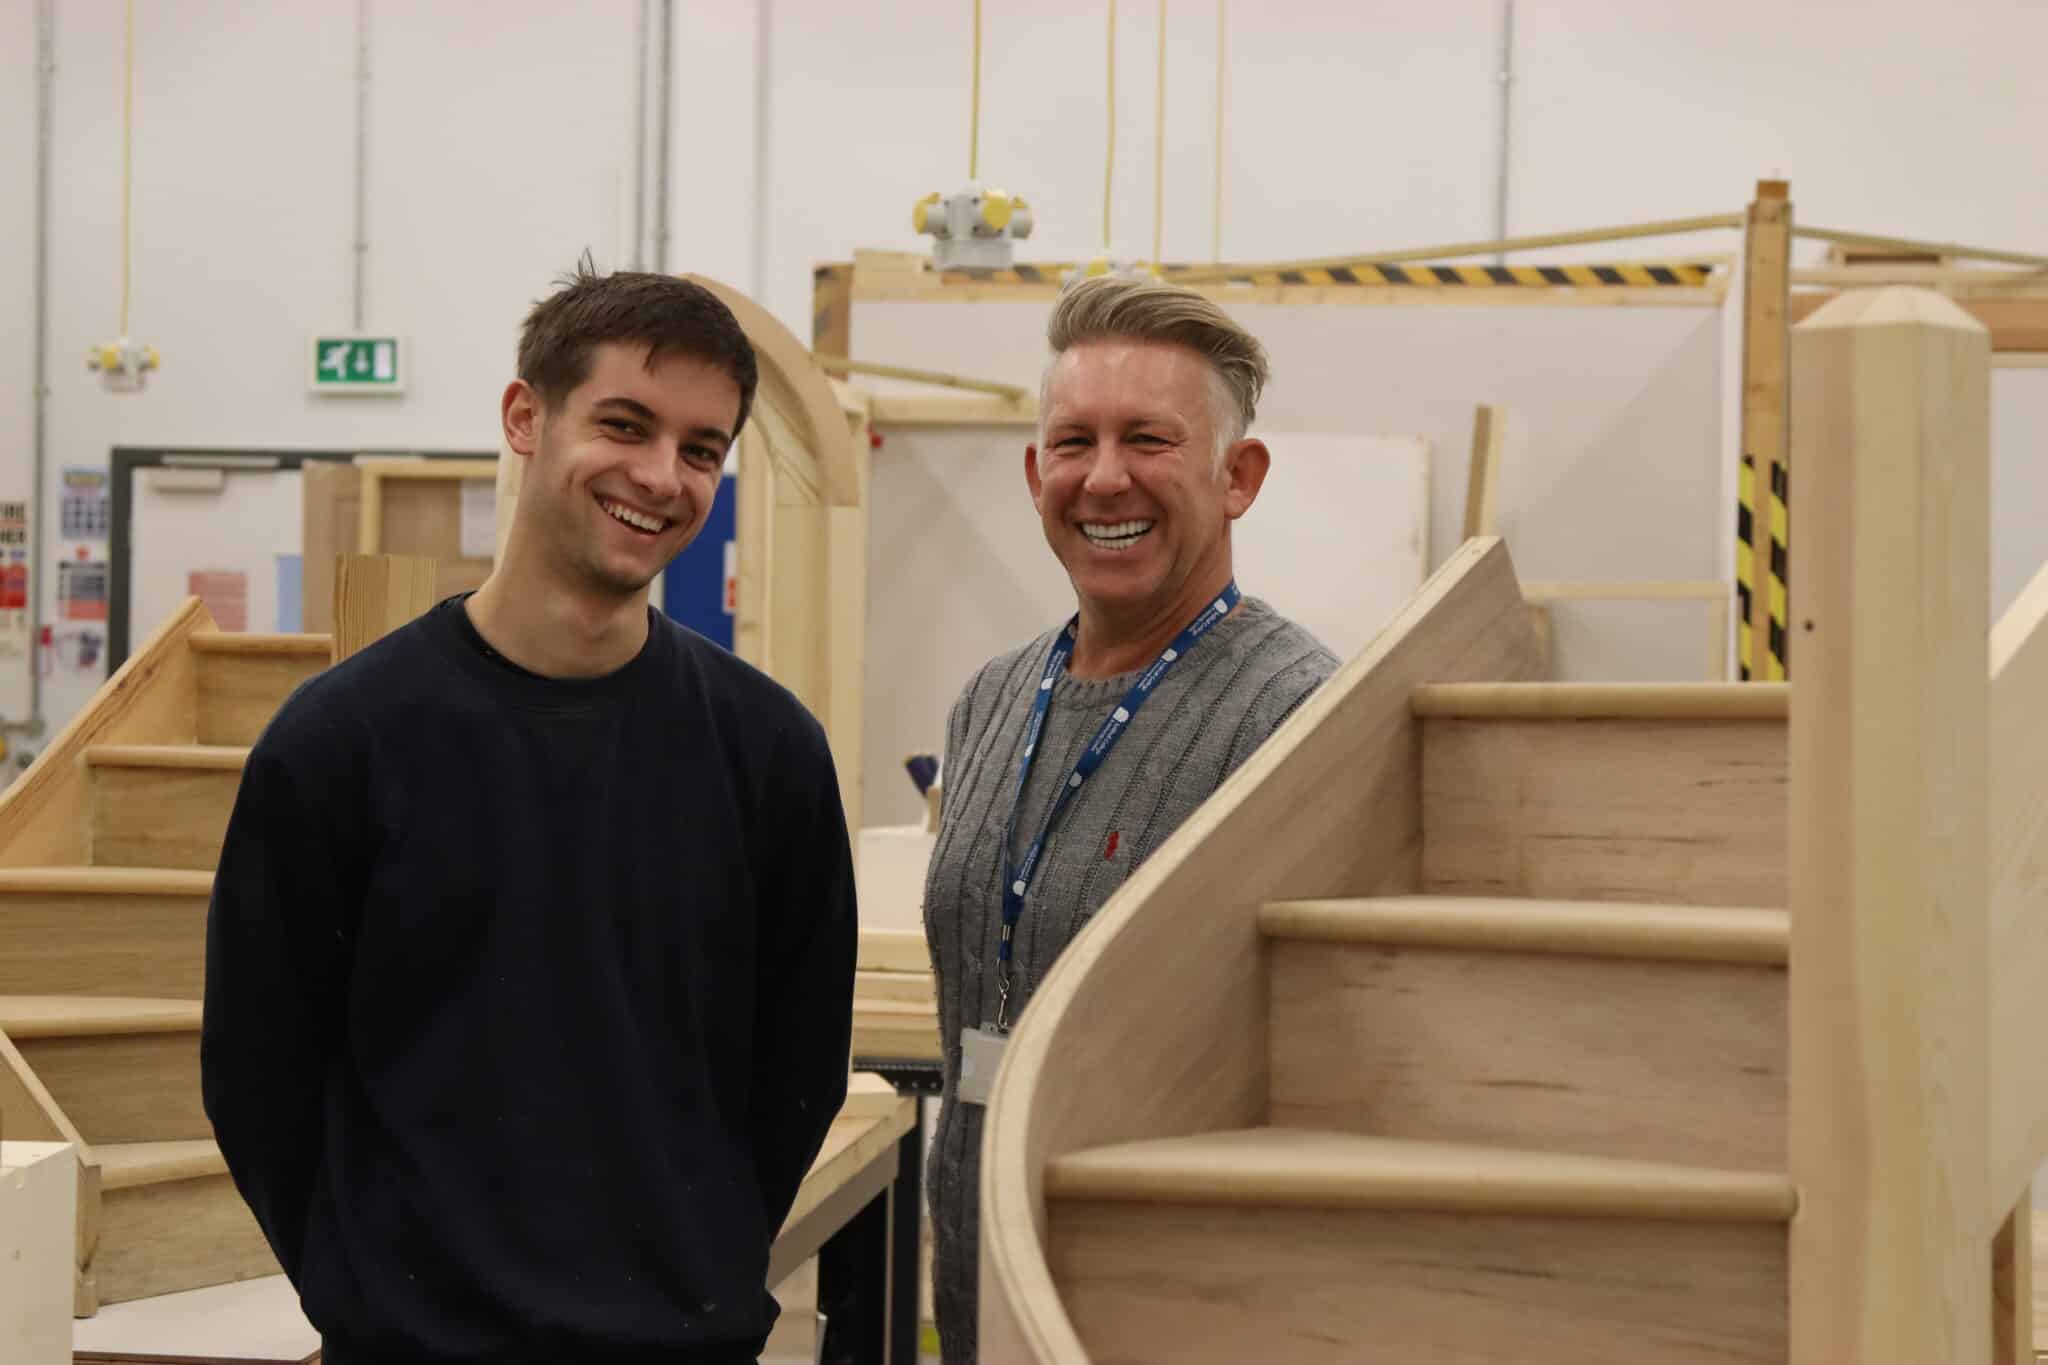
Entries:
{"x":1774,"y":558}
{"x":1631,"y":275}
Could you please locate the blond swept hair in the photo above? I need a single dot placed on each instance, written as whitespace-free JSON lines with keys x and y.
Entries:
{"x":1116,"y":308}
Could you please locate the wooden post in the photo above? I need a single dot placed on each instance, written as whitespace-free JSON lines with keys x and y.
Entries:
{"x":1890,"y":1262}
{"x":1482,"y":488}
{"x":510,"y":472}
{"x":753,"y":536}
{"x":1762,"y":546}
{"x":375,"y":595}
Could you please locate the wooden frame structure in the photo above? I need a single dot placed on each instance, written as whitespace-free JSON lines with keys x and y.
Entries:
{"x":386,"y":504}
{"x":1902,"y":1119}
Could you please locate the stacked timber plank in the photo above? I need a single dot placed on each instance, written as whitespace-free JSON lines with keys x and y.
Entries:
{"x":895,"y":1009}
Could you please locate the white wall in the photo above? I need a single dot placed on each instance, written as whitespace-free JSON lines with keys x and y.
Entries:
{"x":502,"y":144}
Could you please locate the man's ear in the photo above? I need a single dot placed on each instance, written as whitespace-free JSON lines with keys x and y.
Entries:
{"x":1244,"y":474}
{"x":519,"y":415}
{"x":1032,"y":479}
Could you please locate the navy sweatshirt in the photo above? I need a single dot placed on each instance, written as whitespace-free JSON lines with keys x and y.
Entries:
{"x":528,"y":1000}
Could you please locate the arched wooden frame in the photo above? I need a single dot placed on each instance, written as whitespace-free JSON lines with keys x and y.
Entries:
{"x":801,"y":613}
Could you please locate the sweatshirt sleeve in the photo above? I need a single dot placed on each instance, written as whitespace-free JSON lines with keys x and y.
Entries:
{"x":803,"y":1011}
{"x":276,"y":977}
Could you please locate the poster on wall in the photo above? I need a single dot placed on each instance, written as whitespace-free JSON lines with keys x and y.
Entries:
{"x":83,"y":512}
{"x":82,"y":589}
{"x":13,"y":578}
{"x":225,"y":593}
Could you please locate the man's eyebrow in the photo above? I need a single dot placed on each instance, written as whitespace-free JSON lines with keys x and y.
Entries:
{"x":633,"y":407}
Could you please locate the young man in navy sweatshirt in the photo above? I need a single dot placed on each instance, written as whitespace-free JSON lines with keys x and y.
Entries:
{"x":530,"y":960}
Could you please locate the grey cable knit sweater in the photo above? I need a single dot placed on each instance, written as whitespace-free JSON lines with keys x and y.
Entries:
{"x":1217,"y":706}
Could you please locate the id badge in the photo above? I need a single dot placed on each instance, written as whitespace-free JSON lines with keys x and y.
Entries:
{"x":981,"y":1053}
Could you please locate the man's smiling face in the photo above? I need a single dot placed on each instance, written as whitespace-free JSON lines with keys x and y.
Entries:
{"x":1126,"y":481}
{"x":624,"y":468}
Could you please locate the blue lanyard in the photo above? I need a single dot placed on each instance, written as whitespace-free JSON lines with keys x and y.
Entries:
{"x":1017,"y":881}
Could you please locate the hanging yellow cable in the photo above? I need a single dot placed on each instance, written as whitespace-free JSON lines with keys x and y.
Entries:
{"x":127,"y":159}
{"x":1109,"y":160}
{"x":1159,"y":143}
{"x":974,"y":118}
{"x":1216,"y":213}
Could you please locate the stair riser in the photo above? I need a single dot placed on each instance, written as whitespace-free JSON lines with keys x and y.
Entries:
{"x":1654,"y":1061}
{"x":151,"y":946}
{"x":238,"y":694}
{"x":159,"y":1239}
{"x":124,"y":1088}
{"x":1677,"y":812}
{"x":1149,"y":1282}
{"x":161,"y":817}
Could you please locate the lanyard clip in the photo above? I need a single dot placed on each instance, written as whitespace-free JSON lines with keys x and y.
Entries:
{"x":1003,"y":1000}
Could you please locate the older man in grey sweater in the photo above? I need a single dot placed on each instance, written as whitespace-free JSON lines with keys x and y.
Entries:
{"x":1070,"y":759}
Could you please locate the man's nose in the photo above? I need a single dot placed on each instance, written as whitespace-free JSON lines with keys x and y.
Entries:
{"x":1110,"y":471}
{"x":657,"y":470}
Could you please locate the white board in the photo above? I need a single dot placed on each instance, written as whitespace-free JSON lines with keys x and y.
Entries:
{"x":242,"y":527}
{"x":959,"y":571}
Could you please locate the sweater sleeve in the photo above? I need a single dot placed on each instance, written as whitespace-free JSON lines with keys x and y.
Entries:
{"x":276,"y":979}
{"x":803,"y":1000}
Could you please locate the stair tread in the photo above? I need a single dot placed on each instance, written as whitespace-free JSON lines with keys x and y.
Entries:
{"x":1604,"y":701}
{"x":212,"y":757}
{"x":126,"y":1164}
{"x":1683,"y":933}
{"x":79,"y":1016}
{"x":248,"y":642}
{"x":106,"y":881}
{"x":1304,"y":1168}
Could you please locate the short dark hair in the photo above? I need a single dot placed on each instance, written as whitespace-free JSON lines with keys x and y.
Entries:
{"x":669,"y":316}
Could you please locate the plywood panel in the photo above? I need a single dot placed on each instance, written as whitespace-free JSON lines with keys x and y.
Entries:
{"x":1657,"y":1061}
{"x":38,"y":1218}
{"x":1174,"y":1284}
{"x":1682,"y":812}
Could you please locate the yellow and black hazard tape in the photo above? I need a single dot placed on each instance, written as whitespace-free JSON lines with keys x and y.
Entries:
{"x":1775,"y":667}
{"x":1631,"y":275}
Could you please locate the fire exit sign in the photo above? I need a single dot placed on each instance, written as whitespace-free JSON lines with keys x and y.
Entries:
{"x":357,"y":364}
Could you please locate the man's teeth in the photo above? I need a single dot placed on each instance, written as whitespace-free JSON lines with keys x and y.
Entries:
{"x":1115,"y":535}
{"x":635,"y":519}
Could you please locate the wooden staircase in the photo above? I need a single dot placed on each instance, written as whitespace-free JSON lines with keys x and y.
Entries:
{"x":1480,"y":1019}
{"x":107,"y":850}
{"x":1541,"y":1104}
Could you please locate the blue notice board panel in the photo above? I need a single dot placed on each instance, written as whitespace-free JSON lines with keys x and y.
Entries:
{"x":694,"y":587}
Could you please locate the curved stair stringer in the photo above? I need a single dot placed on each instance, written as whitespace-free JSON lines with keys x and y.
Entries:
{"x":1157,"y":1013}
